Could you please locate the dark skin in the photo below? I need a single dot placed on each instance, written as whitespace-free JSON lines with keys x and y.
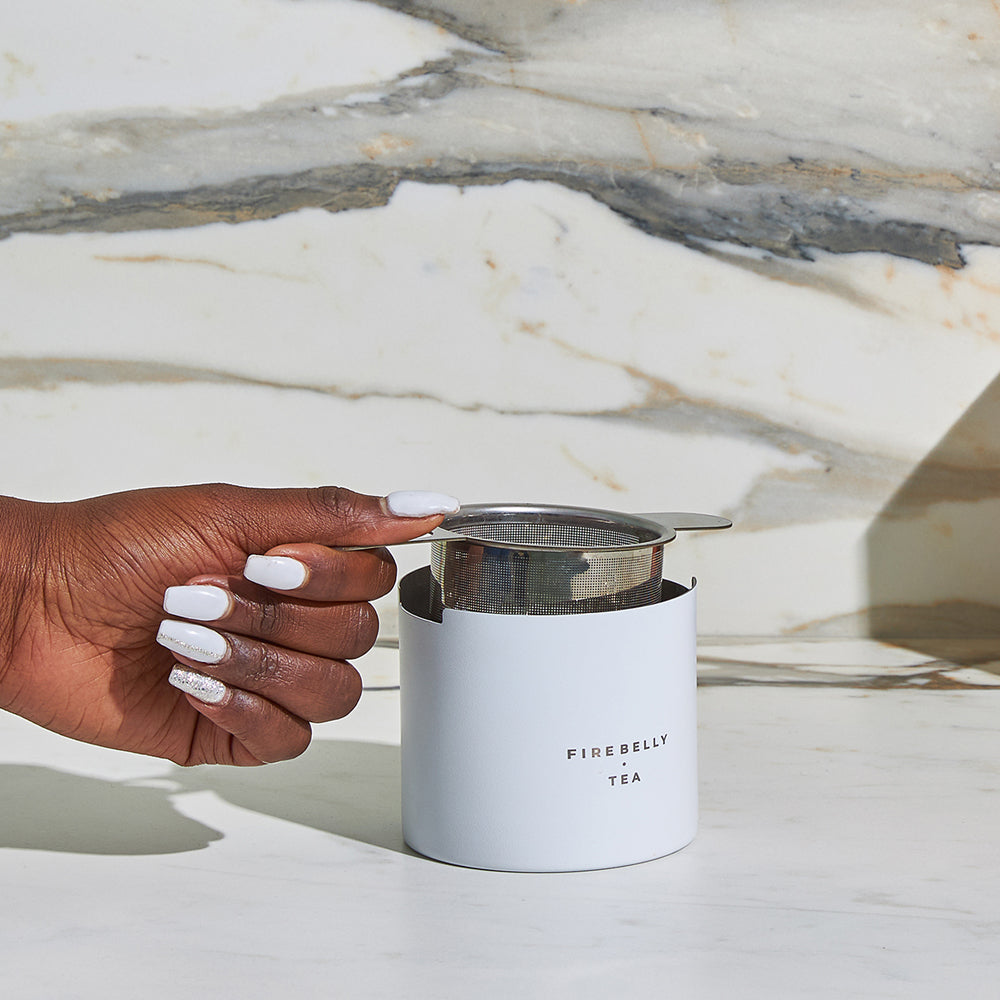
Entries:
{"x":81,"y":600}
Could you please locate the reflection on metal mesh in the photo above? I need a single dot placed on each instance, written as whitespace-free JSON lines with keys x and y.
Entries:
{"x":570,"y":565}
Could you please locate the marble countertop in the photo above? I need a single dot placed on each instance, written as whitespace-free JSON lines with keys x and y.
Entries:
{"x":847,"y":847}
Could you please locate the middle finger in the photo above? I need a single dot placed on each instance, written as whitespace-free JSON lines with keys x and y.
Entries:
{"x":318,"y":573}
{"x":337,"y":631}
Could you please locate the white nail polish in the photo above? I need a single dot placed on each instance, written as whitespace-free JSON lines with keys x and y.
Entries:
{"x":202,"y":602}
{"x":207,"y":689}
{"x":275,"y":572}
{"x":193,"y":641}
{"x":420,"y":503}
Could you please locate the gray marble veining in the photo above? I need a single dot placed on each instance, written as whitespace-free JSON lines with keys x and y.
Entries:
{"x":771,"y":127}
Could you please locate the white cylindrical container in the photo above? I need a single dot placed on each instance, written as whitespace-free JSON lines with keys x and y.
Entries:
{"x":548,"y":742}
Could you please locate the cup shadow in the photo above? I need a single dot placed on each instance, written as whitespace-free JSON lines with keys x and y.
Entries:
{"x":933,"y":551}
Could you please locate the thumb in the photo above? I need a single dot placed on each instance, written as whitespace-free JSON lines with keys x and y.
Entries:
{"x":332,"y":515}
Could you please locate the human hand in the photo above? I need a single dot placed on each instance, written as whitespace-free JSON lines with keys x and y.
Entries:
{"x":81,"y":604}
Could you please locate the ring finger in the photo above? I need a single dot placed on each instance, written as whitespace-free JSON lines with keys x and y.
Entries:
{"x":314,"y":688}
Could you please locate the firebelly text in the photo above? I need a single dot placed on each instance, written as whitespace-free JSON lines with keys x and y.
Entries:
{"x":617,"y":749}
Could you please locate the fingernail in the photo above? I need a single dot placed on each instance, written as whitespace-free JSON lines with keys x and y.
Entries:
{"x":202,"y":602}
{"x":420,"y":503}
{"x":277,"y":572}
{"x":206,"y":689}
{"x":193,"y":641}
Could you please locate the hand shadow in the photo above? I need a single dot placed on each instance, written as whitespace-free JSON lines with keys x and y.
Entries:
{"x":48,"y":810}
{"x":345,"y":788}
{"x":350,"y":789}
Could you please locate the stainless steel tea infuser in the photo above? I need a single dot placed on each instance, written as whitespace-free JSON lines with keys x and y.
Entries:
{"x":543,"y":559}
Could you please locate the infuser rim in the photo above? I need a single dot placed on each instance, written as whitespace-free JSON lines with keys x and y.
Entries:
{"x":457,"y":526}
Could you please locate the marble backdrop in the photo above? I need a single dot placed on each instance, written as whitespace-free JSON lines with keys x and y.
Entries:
{"x":736,"y":256}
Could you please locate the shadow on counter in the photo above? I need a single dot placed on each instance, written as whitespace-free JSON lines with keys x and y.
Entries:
{"x":350,"y":789}
{"x":933,"y":551}
{"x":49,"y":810}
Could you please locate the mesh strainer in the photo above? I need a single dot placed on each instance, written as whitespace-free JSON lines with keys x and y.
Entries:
{"x":531,"y":559}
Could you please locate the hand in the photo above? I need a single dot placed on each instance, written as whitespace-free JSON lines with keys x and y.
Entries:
{"x":81,"y":603}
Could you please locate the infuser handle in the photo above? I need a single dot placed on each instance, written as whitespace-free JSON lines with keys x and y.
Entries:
{"x":437,"y":535}
{"x":670,"y":521}
{"x":681,"y":521}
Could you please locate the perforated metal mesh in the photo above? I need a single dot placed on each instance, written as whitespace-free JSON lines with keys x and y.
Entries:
{"x":573,"y":563}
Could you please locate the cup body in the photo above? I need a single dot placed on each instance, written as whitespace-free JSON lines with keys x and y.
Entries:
{"x":551,"y":742}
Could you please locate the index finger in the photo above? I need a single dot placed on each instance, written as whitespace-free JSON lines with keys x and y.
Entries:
{"x":334,"y":516}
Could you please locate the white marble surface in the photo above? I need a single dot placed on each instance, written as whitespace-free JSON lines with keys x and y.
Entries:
{"x":734,"y":257}
{"x":847,"y":847}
